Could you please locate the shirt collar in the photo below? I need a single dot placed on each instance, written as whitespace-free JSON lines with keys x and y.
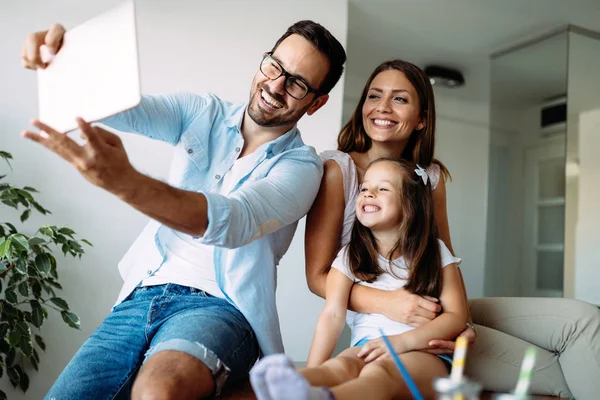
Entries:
{"x":275,"y":146}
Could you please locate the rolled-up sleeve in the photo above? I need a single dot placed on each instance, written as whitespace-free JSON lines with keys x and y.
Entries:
{"x":258,"y":208}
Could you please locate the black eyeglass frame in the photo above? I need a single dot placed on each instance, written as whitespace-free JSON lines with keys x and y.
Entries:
{"x":287,"y":75}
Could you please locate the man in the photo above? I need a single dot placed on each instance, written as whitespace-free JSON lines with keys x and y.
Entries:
{"x":198,"y":301}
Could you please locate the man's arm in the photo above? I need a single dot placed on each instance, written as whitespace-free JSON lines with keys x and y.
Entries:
{"x":160,"y":117}
{"x":256,"y":209}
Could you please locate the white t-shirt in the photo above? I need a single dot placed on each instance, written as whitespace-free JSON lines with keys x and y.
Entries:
{"x":366,"y":326}
{"x":187,"y":261}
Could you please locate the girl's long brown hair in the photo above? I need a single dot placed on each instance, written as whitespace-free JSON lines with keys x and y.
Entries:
{"x":421,"y":144}
{"x":417,"y":237}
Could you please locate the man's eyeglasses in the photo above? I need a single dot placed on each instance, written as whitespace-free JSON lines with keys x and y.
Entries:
{"x":294,"y":86}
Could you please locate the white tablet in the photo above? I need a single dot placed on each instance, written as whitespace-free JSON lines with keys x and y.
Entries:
{"x":95,"y":73}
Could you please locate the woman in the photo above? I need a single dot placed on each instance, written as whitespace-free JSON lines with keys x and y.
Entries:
{"x":395,"y":117}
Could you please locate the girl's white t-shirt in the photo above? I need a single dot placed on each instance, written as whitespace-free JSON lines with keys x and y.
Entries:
{"x":366,"y":326}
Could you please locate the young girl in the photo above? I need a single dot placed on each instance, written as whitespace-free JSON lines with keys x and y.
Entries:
{"x":393,"y":244}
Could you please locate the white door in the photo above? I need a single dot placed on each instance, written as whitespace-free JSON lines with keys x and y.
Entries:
{"x":544,"y":224}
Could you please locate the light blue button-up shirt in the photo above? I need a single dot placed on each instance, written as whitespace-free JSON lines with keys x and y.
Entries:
{"x":250,"y":228}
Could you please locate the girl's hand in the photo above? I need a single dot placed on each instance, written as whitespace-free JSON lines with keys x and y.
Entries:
{"x":446,"y":346}
{"x":409,"y":308}
{"x":376,"y":349}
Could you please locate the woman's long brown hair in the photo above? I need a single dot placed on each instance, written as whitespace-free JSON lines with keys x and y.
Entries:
{"x":417,"y":237}
{"x":421,"y":144}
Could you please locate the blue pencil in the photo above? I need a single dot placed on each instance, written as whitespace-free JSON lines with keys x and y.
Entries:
{"x":409,"y":382}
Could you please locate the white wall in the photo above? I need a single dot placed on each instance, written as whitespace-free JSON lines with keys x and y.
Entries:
{"x":587,"y":256}
{"x":463,"y":143}
{"x":179,"y":42}
{"x":583,"y":217}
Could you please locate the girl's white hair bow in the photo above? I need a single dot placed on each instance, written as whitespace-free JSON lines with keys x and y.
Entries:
{"x":422,"y":173}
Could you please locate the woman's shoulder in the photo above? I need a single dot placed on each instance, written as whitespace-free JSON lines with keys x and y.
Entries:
{"x":346,"y":165}
{"x":336,"y":155}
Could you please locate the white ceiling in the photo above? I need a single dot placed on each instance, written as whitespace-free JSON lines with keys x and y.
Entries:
{"x":460,"y":34}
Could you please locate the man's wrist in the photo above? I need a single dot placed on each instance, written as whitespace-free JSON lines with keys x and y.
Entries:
{"x":129,"y":186}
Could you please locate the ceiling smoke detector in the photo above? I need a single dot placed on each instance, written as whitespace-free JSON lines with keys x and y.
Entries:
{"x":442,"y":76}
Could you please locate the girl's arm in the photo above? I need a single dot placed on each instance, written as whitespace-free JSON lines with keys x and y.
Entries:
{"x":446,"y":326}
{"x":321,"y":243}
{"x":332,"y":318}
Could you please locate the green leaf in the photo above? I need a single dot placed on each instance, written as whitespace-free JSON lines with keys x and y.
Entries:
{"x":3,"y":330}
{"x":66,"y":231}
{"x":34,"y":364}
{"x":24,"y":382}
{"x":60,"y":303}
{"x":40,"y":342}
{"x":21,"y":267}
{"x":3,"y":395}
{"x":23,"y":328}
{"x":11,"y":227}
{"x":2,"y":177}
{"x":39,"y":208}
{"x":11,"y":203}
{"x":25,"y":215}
{"x":24,"y":289}
{"x":86,"y":242}
{"x":20,"y":242}
{"x":43,"y":263}
{"x":13,"y":376}
{"x":25,"y":194}
{"x":14,"y":337}
{"x":26,"y":346}
{"x":10,"y":358}
{"x":30,"y":189}
{"x":11,"y":296}
{"x":6,"y":156}
{"x":37,"y":315}
{"x":5,"y":246}
{"x":70,"y":319}
{"x":35,"y":356}
{"x":54,"y":283}
{"x":36,"y":288}
{"x":9,"y":310}
{"x":36,"y":241}
{"x":47,"y":231}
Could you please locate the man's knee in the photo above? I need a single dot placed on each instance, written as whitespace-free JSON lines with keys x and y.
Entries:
{"x":173,"y":375}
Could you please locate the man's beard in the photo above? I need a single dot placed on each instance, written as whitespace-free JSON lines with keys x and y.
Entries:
{"x":263,"y":119}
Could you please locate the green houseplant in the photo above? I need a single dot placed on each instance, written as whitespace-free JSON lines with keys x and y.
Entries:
{"x":28,"y":282}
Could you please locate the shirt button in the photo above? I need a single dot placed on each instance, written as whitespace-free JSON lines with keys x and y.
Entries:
{"x":237,"y":149}
{"x":190,"y":151}
{"x":217,"y":176}
{"x":149,"y":272}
